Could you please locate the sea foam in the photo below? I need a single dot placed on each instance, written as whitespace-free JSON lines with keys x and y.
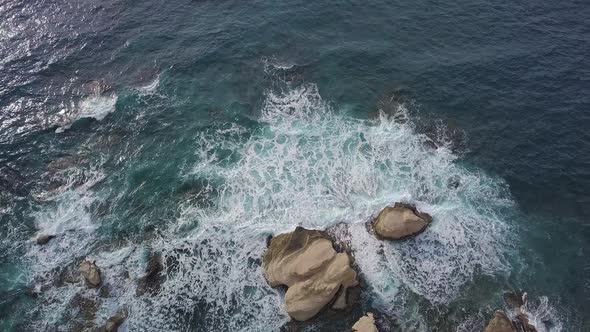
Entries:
{"x":303,"y":164}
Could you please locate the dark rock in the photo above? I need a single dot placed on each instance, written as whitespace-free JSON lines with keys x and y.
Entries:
{"x":12,"y":181}
{"x":391,"y":105}
{"x":515,"y":299}
{"x":31,"y":292}
{"x":44,"y":239}
{"x":521,"y":323}
{"x":151,"y":281}
{"x":62,"y":163}
{"x":83,"y":313}
{"x":453,"y":182}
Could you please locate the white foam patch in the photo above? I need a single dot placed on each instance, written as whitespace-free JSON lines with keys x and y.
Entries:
{"x":306,"y":165}
{"x":540,"y":311}
{"x":94,"y":106}
{"x":150,"y":87}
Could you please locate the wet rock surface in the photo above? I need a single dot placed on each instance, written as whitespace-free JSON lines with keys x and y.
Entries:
{"x":114,"y":322}
{"x":44,"y":239}
{"x":91,"y":273}
{"x":500,"y":323}
{"x":150,"y":283}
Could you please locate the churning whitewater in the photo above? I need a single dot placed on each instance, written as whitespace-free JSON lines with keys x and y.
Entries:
{"x":302,"y":164}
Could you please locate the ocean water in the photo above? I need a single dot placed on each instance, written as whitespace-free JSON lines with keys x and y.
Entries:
{"x":193,"y":130}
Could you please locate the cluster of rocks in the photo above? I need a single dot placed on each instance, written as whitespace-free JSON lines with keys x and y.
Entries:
{"x":93,"y":277}
{"x":318,"y":272}
{"x":319,"y":277}
{"x":501,"y":322}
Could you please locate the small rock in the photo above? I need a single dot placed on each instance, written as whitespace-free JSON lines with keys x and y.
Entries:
{"x":91,"y":273}
{"x":31,"y":292}
{"x":44,"y":239}
{"x":400,"y":221}
{"x":365,"y":324}
{"x":340,"y":302}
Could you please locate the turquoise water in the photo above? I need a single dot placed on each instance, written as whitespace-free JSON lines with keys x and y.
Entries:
{"x":225,"y":122}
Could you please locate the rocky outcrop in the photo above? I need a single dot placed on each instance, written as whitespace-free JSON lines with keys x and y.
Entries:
{"x":516,"y":301}
{"x":151,"y":281}
{"x":365,"y":324}
{"x":81,"y":313}
{"x":114,"y":322}
{"x":400,"y":221}
{"x":500,"y":323}
{"x":305,"y":261}
{"x":91,"y":273}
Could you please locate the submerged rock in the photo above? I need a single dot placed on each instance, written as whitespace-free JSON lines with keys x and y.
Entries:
{"x":82,"y":313}
{"x":400,"y":221}
{"x":44,"y":238}
{"x":91,"y":273}
{"x":96,"y":87}
{"x":365,"y":324}
{"x":500,"y":323}
{"x":150,"y":282}
{"x":306,"y":262}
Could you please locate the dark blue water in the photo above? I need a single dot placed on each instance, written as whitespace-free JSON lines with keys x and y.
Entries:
{"x":193,"y":129}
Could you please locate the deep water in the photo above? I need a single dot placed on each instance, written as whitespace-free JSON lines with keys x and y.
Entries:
{"x":195,"y":129}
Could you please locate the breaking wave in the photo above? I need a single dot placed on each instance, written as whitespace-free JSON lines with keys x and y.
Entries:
{"x":94,"y":106}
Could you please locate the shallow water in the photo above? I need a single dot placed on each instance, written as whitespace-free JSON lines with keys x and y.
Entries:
{"x":194,"y":130}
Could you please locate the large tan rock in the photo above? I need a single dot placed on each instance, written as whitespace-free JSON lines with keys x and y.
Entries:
{"x":365,"y":324}
{"x":400,"y":221}
{"x":91,"y":273}
{"x":306,"y":262}
{"x":500,"y":323}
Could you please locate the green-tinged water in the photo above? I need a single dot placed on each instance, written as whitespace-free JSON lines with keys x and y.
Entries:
{"x":193,"y":130}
